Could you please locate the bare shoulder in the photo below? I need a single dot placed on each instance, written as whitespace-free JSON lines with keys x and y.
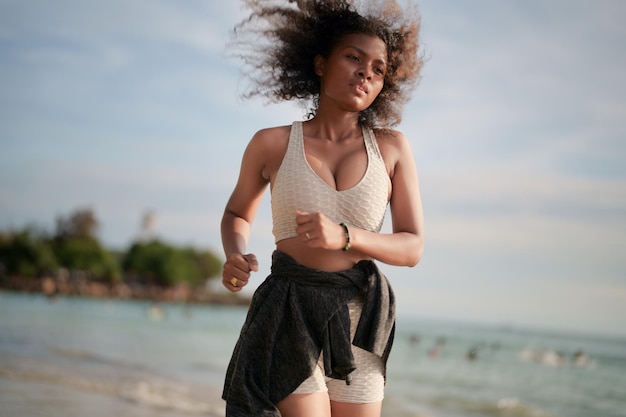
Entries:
{"x":269,"y":146}
{"x":393,"y":145}
{"x":270,"y":139}
{"x":390,"y":137}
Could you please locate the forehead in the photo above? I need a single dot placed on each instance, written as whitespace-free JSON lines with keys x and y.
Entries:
{"x":369,"y":44}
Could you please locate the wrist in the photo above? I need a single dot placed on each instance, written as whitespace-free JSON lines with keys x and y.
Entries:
{"x":347,"y":234}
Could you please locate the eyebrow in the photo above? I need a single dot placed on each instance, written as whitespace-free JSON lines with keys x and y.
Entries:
{"x":362,"y":52}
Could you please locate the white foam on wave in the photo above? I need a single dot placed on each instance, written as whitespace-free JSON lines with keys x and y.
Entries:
{"x":516,"y":407}
{"x":165,"y":395}
{"x":147,"y":391}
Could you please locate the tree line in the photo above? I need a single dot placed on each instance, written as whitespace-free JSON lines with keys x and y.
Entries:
{"x":33,"y":252}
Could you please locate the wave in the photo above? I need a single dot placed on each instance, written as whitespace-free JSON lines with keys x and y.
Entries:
{"x":165,"y":394}
{"x":147,"y":390}
{"x":86,"y":356}
{"x":504,"y":407}
{"x":512,"y":407}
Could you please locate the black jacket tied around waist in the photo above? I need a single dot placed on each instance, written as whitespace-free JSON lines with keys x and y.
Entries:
{"x":296,"y":314}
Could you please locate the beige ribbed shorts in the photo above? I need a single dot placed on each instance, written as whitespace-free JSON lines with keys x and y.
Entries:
{"x":368,"y":381}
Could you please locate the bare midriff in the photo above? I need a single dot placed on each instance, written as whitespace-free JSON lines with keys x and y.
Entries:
{"x":317,"y":258}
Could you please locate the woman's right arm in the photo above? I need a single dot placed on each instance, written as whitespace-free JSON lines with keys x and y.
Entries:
{"x":240,"y":212}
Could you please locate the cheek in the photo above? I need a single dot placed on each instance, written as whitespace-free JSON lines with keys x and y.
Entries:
{"x":379,"y":87}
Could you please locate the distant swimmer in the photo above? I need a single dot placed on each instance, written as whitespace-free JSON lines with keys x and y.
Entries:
{"x":434,"y":351}
{"x":156,"y":312}
{"x":547,"y":357}
{"x":581,"y":360}
{"x":472,"y":354}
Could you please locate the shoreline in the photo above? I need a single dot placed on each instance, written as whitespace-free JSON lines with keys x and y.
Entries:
{"x":80,"y":286}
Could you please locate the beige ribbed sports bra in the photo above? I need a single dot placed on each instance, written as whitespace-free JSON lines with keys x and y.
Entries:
{"x":298,"y":187}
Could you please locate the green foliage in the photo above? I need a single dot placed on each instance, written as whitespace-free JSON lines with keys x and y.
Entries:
{"x":82,"y":223}
{"x":32,"y":253}
{"x":26,"y":255}
{"x":160,"y":263}
{"x":76,"y":246}
{"x":86,"y":254}
{"x":210,"y":265}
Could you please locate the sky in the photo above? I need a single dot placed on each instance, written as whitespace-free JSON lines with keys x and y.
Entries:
{"x":518,"y":129}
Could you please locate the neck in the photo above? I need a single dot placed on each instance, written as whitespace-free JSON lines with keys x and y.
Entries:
{"x":334,"y":126}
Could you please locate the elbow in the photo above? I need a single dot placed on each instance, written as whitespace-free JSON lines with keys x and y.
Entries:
{"x":411,"y":253}
{"x":415,"y":255}
{"x":414,"y":259}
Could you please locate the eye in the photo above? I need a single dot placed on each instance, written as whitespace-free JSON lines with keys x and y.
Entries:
{"x":352,"y":57}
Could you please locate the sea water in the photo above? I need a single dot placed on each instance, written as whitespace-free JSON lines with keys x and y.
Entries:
{"x":95,"y":357}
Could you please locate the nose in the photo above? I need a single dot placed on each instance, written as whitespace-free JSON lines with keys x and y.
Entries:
{"x":365,"y":72}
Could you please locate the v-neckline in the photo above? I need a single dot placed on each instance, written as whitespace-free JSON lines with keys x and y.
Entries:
{"x":306,"y":161}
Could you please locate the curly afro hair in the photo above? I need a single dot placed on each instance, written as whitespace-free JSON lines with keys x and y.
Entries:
{"x":280,"y":39}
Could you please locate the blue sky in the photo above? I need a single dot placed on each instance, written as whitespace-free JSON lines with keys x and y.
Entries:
{"x":518,"y":129}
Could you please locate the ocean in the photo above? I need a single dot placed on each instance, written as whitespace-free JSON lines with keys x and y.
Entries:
{"x":94,"y":357}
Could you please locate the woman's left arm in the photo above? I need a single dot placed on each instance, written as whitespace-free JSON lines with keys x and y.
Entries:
{"x":405,"y":245}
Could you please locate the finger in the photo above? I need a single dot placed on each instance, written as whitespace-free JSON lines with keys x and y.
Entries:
{"x":231,"y":273}
{"x":253,"y":263}
{"x":241,"y":263}
{"x":234,"y":282}
{"x":302,"y":216}
{"x":235,"y":279}
{"x":242,"y":270}
{"x":304,"y":232}
{"x":231,"y":284}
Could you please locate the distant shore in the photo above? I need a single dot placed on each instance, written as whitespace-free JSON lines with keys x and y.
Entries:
{"x":80,"y":286}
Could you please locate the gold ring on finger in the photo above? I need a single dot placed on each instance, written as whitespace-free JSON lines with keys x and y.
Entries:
{"x":233,"y":282}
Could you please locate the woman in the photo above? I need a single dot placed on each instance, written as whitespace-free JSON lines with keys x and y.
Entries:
{"x":320,"y":327}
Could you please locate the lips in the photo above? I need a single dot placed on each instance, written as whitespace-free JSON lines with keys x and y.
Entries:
{"x":361,"y":87}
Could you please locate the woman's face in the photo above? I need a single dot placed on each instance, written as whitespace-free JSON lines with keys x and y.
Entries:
{"x":353,"y":74}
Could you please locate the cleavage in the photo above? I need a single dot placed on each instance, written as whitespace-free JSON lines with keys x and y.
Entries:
{"x":341,"y":166}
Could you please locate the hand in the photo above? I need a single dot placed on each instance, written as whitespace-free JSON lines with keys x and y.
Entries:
{"x":236,"y":271}
{"x":318,"y":231}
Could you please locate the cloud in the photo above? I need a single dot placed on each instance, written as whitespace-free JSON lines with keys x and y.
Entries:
{"x":500,"y":74}
{"x":189,"y":24}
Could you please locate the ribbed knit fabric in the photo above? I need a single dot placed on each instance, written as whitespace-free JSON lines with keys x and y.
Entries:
{"x":298,"y":187}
